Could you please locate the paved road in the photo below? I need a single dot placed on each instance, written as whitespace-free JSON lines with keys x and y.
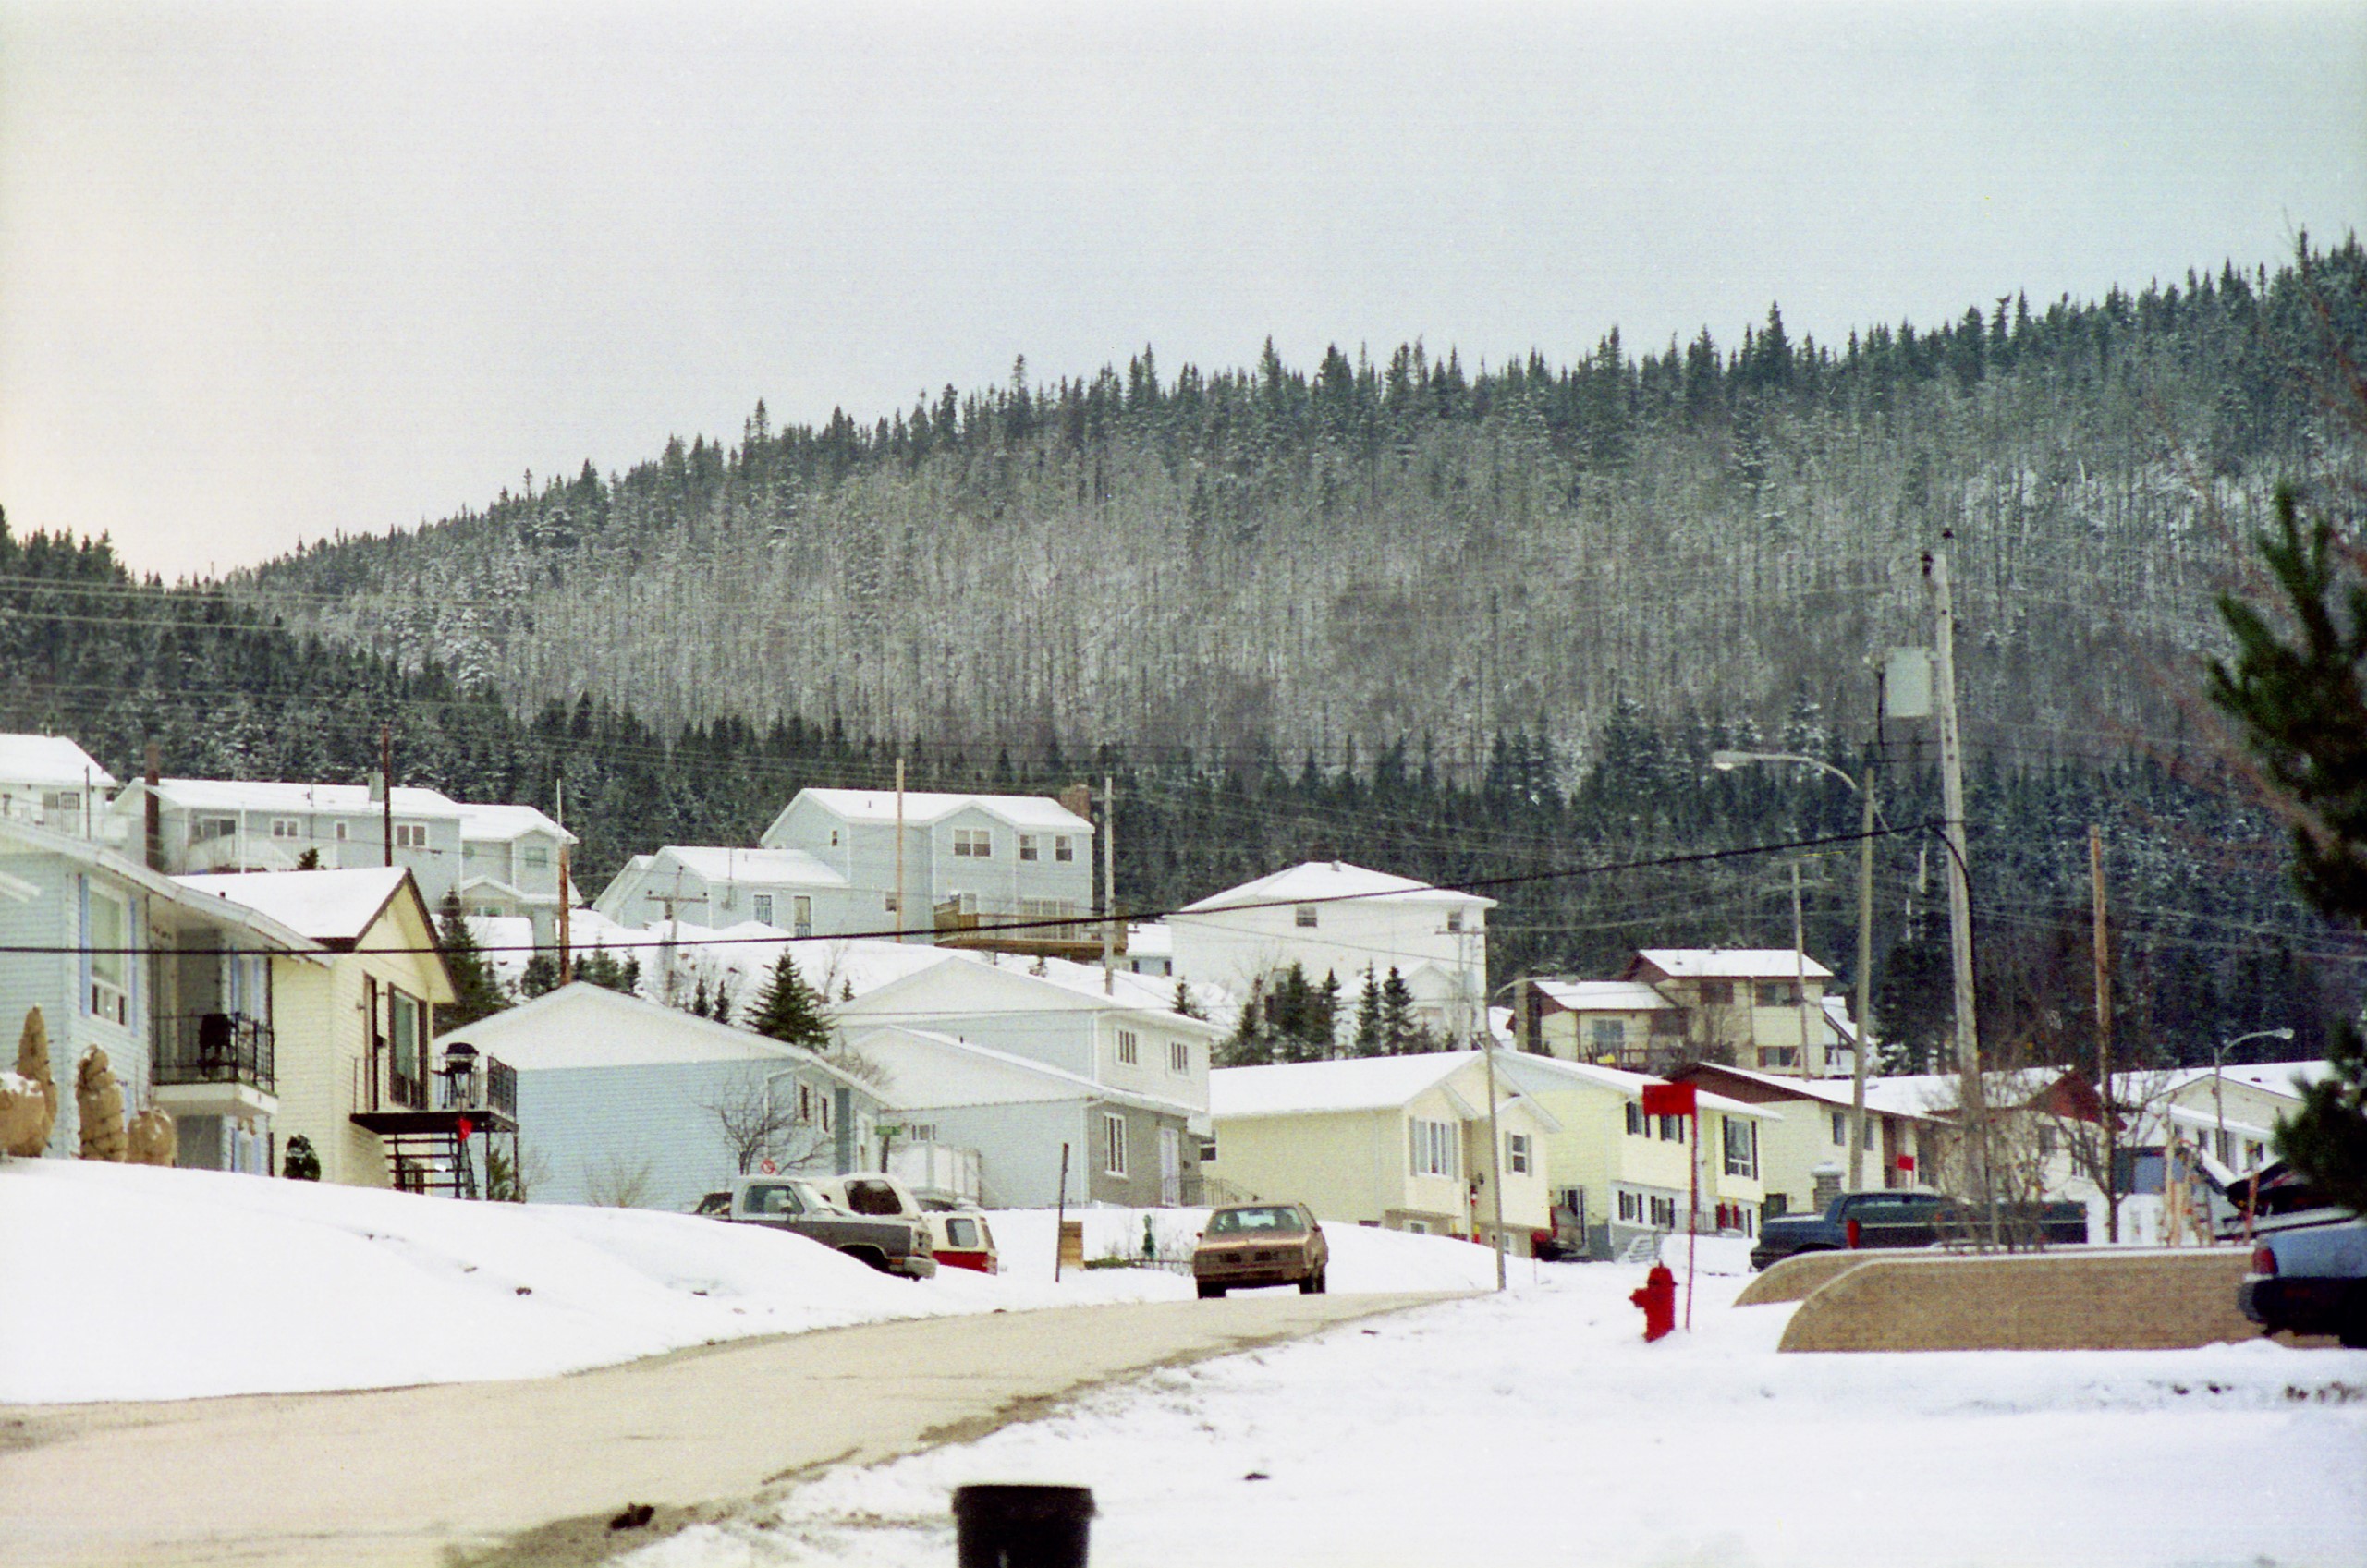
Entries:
{"x":531,"y":1472}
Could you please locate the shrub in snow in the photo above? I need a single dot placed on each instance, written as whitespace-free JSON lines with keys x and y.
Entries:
{"x":153,"y":1139}
{"x":301,"y":1164}
{"x":28,"y":1095}
{"x":98,"y":1095}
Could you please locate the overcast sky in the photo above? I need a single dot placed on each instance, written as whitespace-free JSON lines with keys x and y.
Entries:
{"x":269,"y":270}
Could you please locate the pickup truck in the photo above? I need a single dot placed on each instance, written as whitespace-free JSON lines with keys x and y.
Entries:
{"x":788,"y":1203}
{"x":1909,"y":1218}
{"x":2310,"y":1278}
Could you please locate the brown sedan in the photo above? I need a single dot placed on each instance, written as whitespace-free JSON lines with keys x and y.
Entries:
{"x":1260,"y":1244}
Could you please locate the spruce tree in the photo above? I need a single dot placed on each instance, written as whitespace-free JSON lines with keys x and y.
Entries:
{"x":477,"y":991}
{"x":2302,"y":707}
{"x":1369,"y":1041}
{"x":790,"y":1011}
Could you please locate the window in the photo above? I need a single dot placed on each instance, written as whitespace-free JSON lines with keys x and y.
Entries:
{"x":833,"y":838}
{"x":1635,"y":1120}
{"x":1304,"y":917}
{"x":890,"y":904}
{"x":1777,"y":994}
{"x":1741,"y":1147}
{"x":1672,"y":1128}
{"x":107,"y":935}
{"x":1629,"y":1204}
{"x":1454,"y":921}
{"x":337,"y":831}
{"x":410,"y":836}
{"x":1129,"y":1051}
{"x":805,"y":1102}
{"x":1431,"y":1149}
{"x":1608,"y":1035}
{"x":1064,"y":847}
{"x":1668,"y":1022}
{"x":1841,"y":1128}
{"x":823,"y":1103}
{"x":1178,"y":1058}
{"x":1114,"y":1142}
{"x":1717,"y":993}
{"x":974,"y":844}
{"x":1516,"y":1153}
{"x":535,"y":855}
{"x":764,"y":902}
{"x":1027,"y":847}
{"x":203,"y":829}
{"x":286,"y":827}
{"x":801,"y":915}
{"x":1779,"y":1056}
{"x":919,"y":1132}
{"x":1208,"y":1149}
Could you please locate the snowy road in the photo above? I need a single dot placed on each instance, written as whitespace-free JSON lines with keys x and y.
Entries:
{"x":399,"y":1475}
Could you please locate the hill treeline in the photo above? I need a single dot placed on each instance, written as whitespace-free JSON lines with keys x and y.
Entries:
{"x":1641,"y":850}
{"x":1411,"y":548}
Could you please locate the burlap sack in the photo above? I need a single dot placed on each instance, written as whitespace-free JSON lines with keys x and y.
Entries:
{"x":98,"y":1095}
{"x":152,"y":1138}
{"x":29,"y":1102}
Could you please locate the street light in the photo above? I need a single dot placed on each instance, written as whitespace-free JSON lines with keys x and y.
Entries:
{"x":1727,"y":762}
{"x":2218,"y":1102}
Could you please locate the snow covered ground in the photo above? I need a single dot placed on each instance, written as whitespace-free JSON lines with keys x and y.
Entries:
{"x":125,"y":1282}
{"x":1538,"y":1426}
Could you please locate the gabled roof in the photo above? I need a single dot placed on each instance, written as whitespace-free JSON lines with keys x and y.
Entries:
{"x":1603,"y":996}
{"x":1316,"y":881}
{"x":726,"y":863}
{"x":2287,"y":1078}
{"x":1536,"y":1067}
{"x":332,"y":907}
{"x":1835,"y":1092}
{"x":1026,"y":1081}
{"x":92,"y":856}
{"x":50,"y":761}
{"x":482,"y":823}
{"x":1728,"y":963}
{"x":275,"y":795}
{"x":1360,"y":1083}
{"x":588,"y":1026}
{"x":879,"y":970}
{"x":919,"y":809}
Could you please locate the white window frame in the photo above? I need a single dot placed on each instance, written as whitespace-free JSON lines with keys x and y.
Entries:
{"x":110,"y":996}
{"x":1433,"y":1148}
{"x":206,"y":829}
{"x":1741,"y":1150}
{"x":1636,"y":1125}
{"x":802,"y":914}
{"x":410,"y":836}
{"x":1180,"y":1058}
{"x":340,"y":831}
{"x":763,"y":903}
{"x":1028,"y":846}
{"x":1455,"y":922}
{"x":1130,"y":1048}
{"x":1113,"y":1143}
{"x":534,"y":855}
{"x":1516,"y":1153}
{"x":1063,"y":847}
{"x":974,"y":844}
{"x":286,"y":827}
{"x":1303,"y":918}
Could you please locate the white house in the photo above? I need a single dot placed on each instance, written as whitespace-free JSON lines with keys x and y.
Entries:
{"x":977,"y":871}
{"x":1018,"y":1113}
{"x":1332,"y":919}
{"x":48,"y":781}
{"x":618,"y":1099}
{"x":509,"y":864}
{"x":721,"y":885}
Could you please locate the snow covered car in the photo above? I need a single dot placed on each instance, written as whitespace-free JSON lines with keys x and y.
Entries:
{"x":962,"y":1240}
{"x":782,"y":1203}
{"x":1260,"y":1244}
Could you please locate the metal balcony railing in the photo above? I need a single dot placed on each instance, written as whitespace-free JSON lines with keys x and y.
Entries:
{"x":486,"y":1083}
{"x":213,"y":1048}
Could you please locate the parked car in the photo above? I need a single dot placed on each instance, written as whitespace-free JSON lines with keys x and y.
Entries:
{"x":2311,"y":1279}
{"x":1870,"y":1220}
{"x":961,"y":1239}
{"x":893,"y":1245}
{"x":1260,"y":1244}
{"x":871,"y":1192}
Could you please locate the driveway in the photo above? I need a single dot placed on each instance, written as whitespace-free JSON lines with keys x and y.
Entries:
{"x":533,"y":1471}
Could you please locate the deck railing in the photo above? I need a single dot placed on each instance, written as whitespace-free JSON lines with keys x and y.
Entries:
{"x":213,"y":1048}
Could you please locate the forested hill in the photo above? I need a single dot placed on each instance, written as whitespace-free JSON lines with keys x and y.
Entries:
{"x":2208,"y":940}
{"x":1415,"y":547}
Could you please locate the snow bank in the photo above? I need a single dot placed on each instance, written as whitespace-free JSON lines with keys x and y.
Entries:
{"x":138,"y":1283}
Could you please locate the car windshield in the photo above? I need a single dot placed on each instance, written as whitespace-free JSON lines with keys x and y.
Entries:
{"x":772,"y":1199}
{"x":1270,"y":1220}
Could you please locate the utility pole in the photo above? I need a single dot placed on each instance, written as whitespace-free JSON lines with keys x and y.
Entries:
{"x":2103,"y":1041}
{"x":1109,"y":886}
{"x":566,"y":955}
{"x":386,"y":784}
{"x":1866,"y":980}
{"x":902,"y":925}
{"x":1800,"y":972}
{"x":1972,"y":1098}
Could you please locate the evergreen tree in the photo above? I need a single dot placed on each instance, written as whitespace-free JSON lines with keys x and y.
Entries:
{"x":1368,"y":1039}
{"x":2302,"y":706}
{"x":300,"y":1163}
{"x":789,"y":1011}
{"x":1400,"y":1035}
{"x":477,"y":990}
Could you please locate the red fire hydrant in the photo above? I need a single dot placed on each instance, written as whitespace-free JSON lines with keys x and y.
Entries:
{"x":1658,"y":1299}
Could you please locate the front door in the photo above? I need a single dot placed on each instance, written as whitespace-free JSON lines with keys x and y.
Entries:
{"x":1170,"y":1166}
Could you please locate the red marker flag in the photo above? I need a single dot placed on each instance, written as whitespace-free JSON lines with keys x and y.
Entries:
{"x":1669,"y":1100}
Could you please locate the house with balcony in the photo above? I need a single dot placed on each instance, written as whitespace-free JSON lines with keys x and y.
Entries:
{"x":1761,"y":1008}
{"x":1337,"y":919}
{"x":357,"y":1072}
{"x":1399,"y":1142}
{"x":1808,"y":1132}
{"x":717,"y":886}
{"x":1623,"y":1024}
{"x":49,"y":781}
{"x":1009,"y":873}
{"x":175,"y":986}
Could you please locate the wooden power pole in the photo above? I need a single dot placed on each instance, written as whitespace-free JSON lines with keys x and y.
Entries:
{"x":2104,"y":1042}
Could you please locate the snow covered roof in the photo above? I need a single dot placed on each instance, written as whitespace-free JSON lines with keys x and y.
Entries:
{"x":328,"y":906}
{"x":24,"y":837}
{"x":1361,"y":1083}
{"x":1316,"y":881}
{"x":588,"y":1026}
{"x":872,"y":964}
{"x":1534,"y":1068}
{"x":1602,"y":996}
{"x":49,"y":762}
{"x":969,"y":1074}
{"x":2272,"y":1077}
{"x":1832,"y":1091}
{"x":1152,"y":939}
{"x":879,"y":806}
{"x":269,"y":795}
{"x":498,"y":824}
{"x":724,"y":863}
{"x":1730,"y":962}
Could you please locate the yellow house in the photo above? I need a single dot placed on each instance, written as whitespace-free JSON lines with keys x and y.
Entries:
{"x":1807,"y":1136}
{"x":357,"y":1077}
{"x":1395,"y":1141}
{"x":1620,"y":1175}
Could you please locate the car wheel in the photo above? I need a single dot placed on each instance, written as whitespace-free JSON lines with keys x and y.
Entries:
{"x":1310,"y":1284}
{"x":1210,"y":1292}
{"x":1323,"y":1280}
{"x":2352,"y":1335}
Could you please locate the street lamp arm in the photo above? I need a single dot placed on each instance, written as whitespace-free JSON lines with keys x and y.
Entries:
{"x":1727,"y":762}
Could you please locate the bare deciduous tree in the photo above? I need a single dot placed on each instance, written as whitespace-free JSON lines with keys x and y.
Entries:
{"x":758,"y":1123}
